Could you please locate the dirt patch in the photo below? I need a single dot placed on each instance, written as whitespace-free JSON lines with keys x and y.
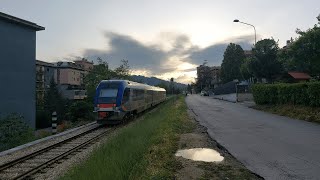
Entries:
{"x":229,"y":168}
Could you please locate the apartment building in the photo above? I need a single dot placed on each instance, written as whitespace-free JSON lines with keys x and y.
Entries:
{"x":44,"y":73}
{"x":17,"y":67}
{"x":69,"y":77}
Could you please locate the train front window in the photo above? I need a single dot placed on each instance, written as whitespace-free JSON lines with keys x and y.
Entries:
{"x":108,"y":93}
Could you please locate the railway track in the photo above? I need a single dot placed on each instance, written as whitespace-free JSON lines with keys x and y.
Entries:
{"x":27,"y":166}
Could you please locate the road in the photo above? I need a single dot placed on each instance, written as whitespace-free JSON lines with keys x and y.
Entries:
{"x":275,"y":147}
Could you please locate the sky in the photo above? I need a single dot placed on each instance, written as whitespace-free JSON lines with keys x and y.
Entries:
{"x":167,"y":38}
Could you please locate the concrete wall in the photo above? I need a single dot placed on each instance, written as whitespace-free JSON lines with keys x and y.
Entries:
{"x":227,"y":97}
{"x":245,"y":97}
{"x":17,"y":71}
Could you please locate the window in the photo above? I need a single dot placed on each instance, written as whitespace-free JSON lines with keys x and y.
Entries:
{"x":108,"y":93}
{"x":126,"y":95}
{"x":138,"y":94}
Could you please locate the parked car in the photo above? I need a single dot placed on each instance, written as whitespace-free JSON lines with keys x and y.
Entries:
{"x":204,"y":93}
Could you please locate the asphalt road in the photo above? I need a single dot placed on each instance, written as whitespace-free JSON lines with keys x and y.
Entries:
{"x":272,"y":146}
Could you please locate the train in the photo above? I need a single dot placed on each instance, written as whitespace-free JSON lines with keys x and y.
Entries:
{"x":118,"y":100}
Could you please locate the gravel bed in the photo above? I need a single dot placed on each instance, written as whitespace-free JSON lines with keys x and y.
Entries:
{"x":28,"y":150}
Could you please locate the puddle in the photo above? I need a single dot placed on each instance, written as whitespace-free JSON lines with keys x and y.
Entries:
{"x":200,"y":154}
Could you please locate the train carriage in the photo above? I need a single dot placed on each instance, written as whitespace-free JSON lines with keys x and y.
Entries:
{"x":116,"y":100}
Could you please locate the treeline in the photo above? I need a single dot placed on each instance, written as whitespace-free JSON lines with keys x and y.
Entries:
{"x":267,"y":61}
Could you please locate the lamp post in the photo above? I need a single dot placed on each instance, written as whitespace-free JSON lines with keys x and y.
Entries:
{"x":255,"y":33}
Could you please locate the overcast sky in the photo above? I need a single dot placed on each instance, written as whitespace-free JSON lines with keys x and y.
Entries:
{"x":166,"y":38}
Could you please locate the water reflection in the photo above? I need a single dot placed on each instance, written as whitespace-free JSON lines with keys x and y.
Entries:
{"x":200,"y":154}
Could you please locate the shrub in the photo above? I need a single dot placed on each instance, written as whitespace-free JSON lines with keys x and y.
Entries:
{"x":296,"y":94}
{"x":14,"y":132}
{"x":314,"y":94}
{"x":80,"y":110}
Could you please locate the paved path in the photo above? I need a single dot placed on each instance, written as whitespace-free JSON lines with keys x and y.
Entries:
{"x":272,"y":146}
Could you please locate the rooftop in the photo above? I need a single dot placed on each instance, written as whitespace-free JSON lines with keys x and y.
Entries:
{"x":299,"y":75}
{"x":43,"y":63}
{"x":19,"y":21}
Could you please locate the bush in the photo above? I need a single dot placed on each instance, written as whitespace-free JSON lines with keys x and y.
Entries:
{"x":14,"y":132}
{"x":296,"y":94}
{"x":80,"y":110}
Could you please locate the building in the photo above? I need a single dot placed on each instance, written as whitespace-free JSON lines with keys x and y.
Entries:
{"x":86,"y":65}
{"x":208,"y":77}
{"x":17,"y":67}
{"x":292,"y":77}
{"x":69,"y":77}
{"x":44,"y":73}
{"x":216,"y":75}
{"x":248,"y":53}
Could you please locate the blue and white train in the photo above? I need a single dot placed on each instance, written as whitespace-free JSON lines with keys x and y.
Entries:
{"x":117,"y":100}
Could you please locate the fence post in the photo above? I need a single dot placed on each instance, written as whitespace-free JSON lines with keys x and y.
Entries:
{"x":54,"y":123}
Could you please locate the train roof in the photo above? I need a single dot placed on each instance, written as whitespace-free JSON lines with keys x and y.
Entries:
{"x":136,"y":85}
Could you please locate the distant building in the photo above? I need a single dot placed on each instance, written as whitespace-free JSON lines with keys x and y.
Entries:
{"x":86,"y":65}
{"x":208,"y":77}
{"x":248,"y":53}
{"x":298,"y":77}
{"x":17,"y":67}
{"x":44,"y":74}
{"x":69,"y":77}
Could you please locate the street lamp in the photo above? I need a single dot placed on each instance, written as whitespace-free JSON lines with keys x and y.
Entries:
{"x":255,"y":33}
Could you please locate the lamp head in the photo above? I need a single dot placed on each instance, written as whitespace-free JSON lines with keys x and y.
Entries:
{"x":236,"y":20}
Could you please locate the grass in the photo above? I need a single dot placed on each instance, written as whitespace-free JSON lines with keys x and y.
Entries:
{"x":311,"y":114}
{"x":141,"y":150}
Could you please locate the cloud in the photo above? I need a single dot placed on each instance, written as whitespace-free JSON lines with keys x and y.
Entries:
{"x":140,"y":56}
{"x":172,"y":55}
{"x":214,"y":53}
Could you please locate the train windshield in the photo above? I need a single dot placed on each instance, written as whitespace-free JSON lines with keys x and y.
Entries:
{"x":108,"y":93}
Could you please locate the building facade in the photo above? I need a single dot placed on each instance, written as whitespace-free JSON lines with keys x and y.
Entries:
{"x":69,"y":77}
{"x":44,"y":73}
{"x":17,"y":67}
{"x":86,"y":65}
{"x":208,"y":77}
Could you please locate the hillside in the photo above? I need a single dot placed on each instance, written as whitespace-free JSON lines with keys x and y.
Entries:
{"x":153,"y":81}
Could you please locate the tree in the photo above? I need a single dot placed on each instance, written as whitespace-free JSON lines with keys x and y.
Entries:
{"x":232,"y":59}
{"x":54,"y":101}
{"x":204,"y":74}
{"x":244,"y":69}
{"x":189,"y":88}
{"x":123,"y":71}
{"x":99,"y":72}
{"x":304,"y":53}
{"x":264,"y":62}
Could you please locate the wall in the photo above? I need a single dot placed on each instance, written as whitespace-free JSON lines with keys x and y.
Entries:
{"x":245,"y":97}
{"x":17,"y":71}
{"x":227,"y":97}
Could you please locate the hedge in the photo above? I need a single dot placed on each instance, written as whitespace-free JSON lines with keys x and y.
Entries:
{"x":307,"y":94}
{"x":14,"y":132}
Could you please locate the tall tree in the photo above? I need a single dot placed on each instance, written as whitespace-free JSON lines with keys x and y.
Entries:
{"x":244,"y":69}
{"x":53,"y":101}
{"x":264,"y":62}
{"x":304,"y":53}
{"x":123,"y":71}
{"x":232,"y":59}
{"x":99,"y":72}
